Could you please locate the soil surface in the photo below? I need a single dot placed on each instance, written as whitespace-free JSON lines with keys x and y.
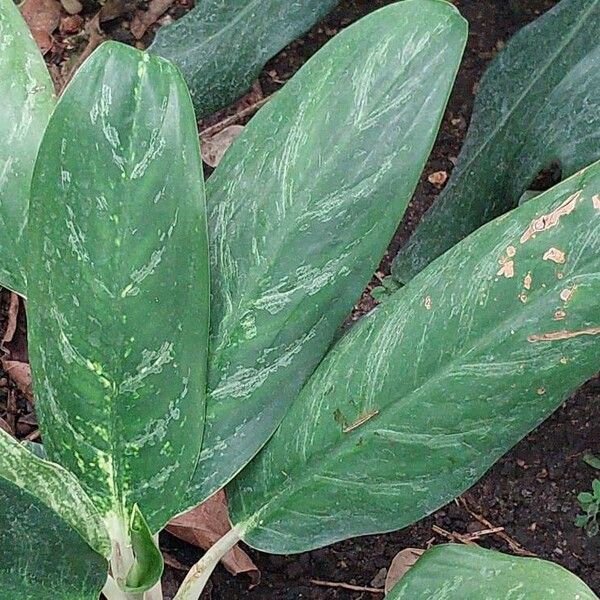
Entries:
{"x":531,"y":492}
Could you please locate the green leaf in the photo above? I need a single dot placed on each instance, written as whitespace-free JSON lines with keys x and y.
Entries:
{"x":302,"y":207}
{"x":423,"y":395}
{"x":118,"y":301}
{"x":537,"y":104}
{"x":581,"y":520}
{"x":596,"y":488}
{"x":35,"y":448}
{"x":591,"y":460}
{"x":55,"y":487}
{"x":148,"y":566}
{"x":585,"y":498}
{"x":27,"y":101}
{"x":221,"y":47}
{"x":48,"y":527}
{"x":456,"y":572}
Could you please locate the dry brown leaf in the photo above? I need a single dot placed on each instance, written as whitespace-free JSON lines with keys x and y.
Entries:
{"x":215,"y":146}
{"x":143,"y":19}
{"x":11,"y":320}
{"x":113,"y":9}
{"x":207,"y":523}
{"x":14,"y":347}
{"x":20,"y":373}
{"x":401,"y":563}
{"x":42,"y":17}
{"x":5,"y":426}
{"x":252,"y":98}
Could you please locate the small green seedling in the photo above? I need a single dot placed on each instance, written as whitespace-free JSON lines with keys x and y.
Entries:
{"x":590,"y":504}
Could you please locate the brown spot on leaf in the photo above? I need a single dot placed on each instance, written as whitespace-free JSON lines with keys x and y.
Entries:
{"x":528,"y":281}
{"x":596,"y":201}
{"x":427,"y":303}
{"x":541,"y":391}
{"x":563,"y":335}
{"x":551,"y":219}
{"x":567,"y":294}
{"x":559,"y":315}
{"x":507,"y":269}
{"x":523,"y":297}
{"x":511,"y":251}
{"x":555,"y":255}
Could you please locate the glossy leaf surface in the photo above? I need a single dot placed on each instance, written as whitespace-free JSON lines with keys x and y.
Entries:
{"x":302,"y":208}
{"x":537,"y":105}
{"x":118,"y":301}
{"x":44,"y":519}
{"x":27,"y":92}
{"x":454,"y":572}
{"x":221,"y":46}
{"x":424,"y":394}
{"x":148,"y":566}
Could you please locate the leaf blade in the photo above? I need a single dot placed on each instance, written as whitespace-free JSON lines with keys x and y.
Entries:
{"x":42,"y":555}
{"x":28,"y":98}
{"x":128,"y":234}
{"x":416,"y":402}
{"x":222,"y":47}
{"x":535,"y":106}
{"x":291,"y":253}
{"x":56,"y":488}
{"x":471,"y":572}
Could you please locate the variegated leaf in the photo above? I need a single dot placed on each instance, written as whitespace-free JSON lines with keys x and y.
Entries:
{"x":537,"y":105}
{"x":118,"y":301}
{"x":52,"y":539}
{"x":302,"y":207}
{"x":55,"y":487}
{"x":454,"y":572}
{"x":221,"y":46}
{"x":423,"y":395}
{"x":26,"y":93}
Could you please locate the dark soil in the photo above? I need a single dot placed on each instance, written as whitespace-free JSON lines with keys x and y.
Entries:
{"x":531,"y":492}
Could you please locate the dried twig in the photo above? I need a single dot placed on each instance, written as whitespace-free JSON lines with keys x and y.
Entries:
{"x":347,"y":586}
{"x":233,"y":119}
{"x":33,"y":436}
{"x":513,"y":544}
{"x":453,"y":536}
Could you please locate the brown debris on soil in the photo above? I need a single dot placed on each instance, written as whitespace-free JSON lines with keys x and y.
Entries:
{"x":204,"y":525}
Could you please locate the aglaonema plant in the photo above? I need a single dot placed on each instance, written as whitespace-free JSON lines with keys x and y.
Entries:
{"x":148,"y":404}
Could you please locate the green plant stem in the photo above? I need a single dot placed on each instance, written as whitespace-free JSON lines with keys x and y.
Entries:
{"x":199,"y":574}
{"x":112,"y":591}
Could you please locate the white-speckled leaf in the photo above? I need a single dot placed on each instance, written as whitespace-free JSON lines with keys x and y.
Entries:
{"x":118,"y":295}
{"x":453,"y":572}
{"x":26,"y":95}
{"x":537,"y":105}
{"x":424,"y":394}
{"x":302,"y":208}
{"x":55,"y":487}
{"x":41,"y":555}
{"x":222,"y":45}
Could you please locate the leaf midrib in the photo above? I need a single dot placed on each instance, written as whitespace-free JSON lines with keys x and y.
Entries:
{"x":316,"y":463}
